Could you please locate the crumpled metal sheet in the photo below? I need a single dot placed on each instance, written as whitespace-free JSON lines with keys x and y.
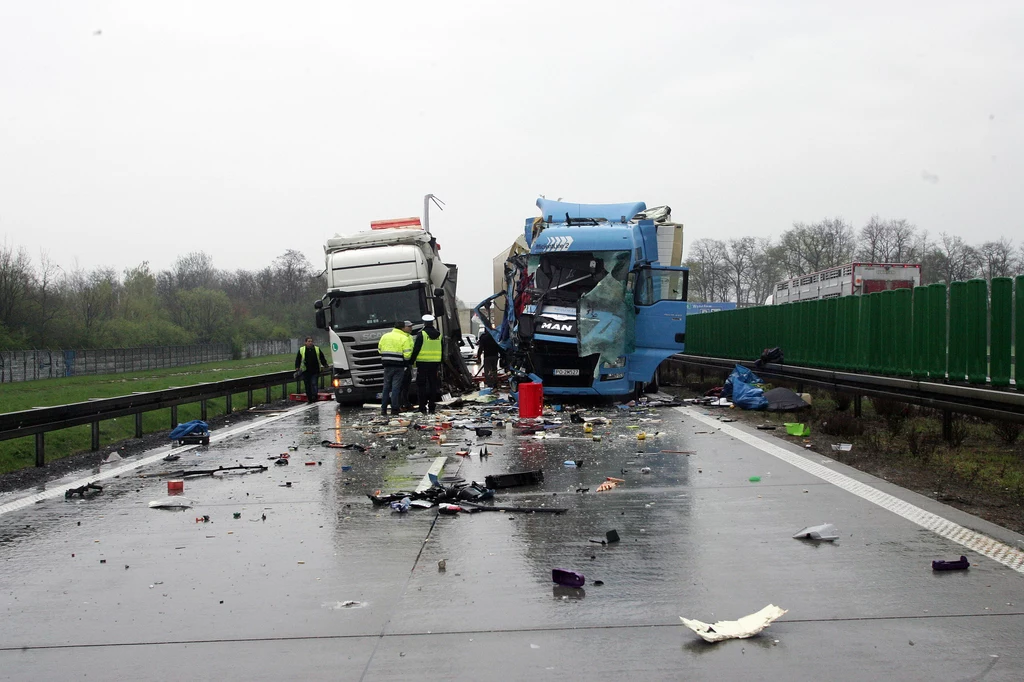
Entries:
{"x":747,"y":626}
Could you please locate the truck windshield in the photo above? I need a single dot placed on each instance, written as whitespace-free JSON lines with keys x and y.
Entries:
{"x":567,"y":276}
{"x":376,"y":309}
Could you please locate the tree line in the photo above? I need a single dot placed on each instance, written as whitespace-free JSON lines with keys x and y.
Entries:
{"x":746,"y":269}
{"x":42,"y":305}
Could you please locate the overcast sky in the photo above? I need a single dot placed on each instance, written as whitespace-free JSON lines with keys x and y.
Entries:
{"x":138,"y":131}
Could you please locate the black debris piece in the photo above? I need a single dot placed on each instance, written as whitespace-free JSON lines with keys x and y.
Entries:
{"x":956,"y":565}
{"x":513,"y":480}
{"x":87,"y":490}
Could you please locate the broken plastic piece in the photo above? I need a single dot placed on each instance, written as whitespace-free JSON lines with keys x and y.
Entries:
{"x":797,"y":429}
{"x":567,"y":578}
{"x":956,"y":565}
{"x":514,"y":479}
{"x":89,"y":488}
{"x":747,"y":626}
{"x":171,"y":503}
{"x":842,"y":447}
{"x":401,"y":506}
{"x":825,"y":532}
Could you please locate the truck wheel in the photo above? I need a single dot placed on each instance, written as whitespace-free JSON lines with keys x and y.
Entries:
{"x":653,"y":386}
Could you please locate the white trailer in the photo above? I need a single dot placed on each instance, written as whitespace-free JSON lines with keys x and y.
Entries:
{"x":852,"y":279}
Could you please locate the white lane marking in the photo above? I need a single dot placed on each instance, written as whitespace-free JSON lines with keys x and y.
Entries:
{"x":215,"y":437}
{"x":973,"y":540}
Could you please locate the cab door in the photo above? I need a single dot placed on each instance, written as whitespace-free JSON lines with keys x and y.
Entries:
{"x":659,"y":293}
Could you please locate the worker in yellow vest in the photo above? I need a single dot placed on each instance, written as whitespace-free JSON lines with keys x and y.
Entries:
{"x":309,"y":362}
{"x":395,"y":350}
{"x":426,"y":355}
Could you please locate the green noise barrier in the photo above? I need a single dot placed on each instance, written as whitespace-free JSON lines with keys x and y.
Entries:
{"x":971,"y":332}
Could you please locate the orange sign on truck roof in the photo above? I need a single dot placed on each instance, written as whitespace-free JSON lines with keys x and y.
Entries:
{"x":396,"y":222}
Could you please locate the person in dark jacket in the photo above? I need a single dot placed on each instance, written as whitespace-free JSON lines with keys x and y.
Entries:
{"x":310,"y":361}
{"x":490,"y":351}
{"x":427,"y":352}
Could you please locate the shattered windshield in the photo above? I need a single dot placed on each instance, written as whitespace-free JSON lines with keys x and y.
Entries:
{"x":567,"y":276}
{"x":375,"y":309}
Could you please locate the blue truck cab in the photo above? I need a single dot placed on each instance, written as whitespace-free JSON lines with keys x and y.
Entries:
{"x":590,"y":310}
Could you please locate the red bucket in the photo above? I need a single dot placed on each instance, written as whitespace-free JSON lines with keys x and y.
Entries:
{"x":531,"y":400}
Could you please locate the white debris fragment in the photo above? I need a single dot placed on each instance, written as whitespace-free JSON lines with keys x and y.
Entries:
{"x":175,"y":502}
{"x":825,"y":532}
{"x":747,"y":626}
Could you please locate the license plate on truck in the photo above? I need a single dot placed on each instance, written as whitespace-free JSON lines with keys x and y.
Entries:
{"x":566,"y":372}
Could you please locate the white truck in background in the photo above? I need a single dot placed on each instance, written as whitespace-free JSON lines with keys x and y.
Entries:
{"x":852,"y":279}
{"x":375,"y":278}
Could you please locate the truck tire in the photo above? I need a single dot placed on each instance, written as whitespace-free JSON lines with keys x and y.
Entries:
{"x":652,"y":387}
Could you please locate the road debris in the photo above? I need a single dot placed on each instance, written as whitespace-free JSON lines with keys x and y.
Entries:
{"x":87,"y":490}
{"x":825,"y":532}
{"x":747,"y":626}
{"x":176,"y":502}
{"x":567,"y":578}
{"x":512,"y":480}
{"x":961,"y":564}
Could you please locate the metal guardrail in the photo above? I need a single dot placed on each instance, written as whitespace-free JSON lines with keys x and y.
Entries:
{"x":40,"y":420}
{"x":950,"y":398}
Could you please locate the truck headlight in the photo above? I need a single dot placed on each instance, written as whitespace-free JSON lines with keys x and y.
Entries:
{"x":345,"y":382}
{"x":617,"y":362}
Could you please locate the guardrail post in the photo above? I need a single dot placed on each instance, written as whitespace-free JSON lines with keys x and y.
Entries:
{"x":40,"y":450}
{"x":267,"y":400}
{"x":857,"y":405}
{"x":284,"y":391}
{"x":202,"y":410}
{"x":227,"y":404}
{"x":174,"y":416}
{"x":249,"y":399}
{"x":138,"y":425}
{"x":947,"y":425}
{"x":95,"y":436}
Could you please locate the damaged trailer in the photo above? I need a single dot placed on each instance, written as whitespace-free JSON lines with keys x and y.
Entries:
{"x":592,"y":299}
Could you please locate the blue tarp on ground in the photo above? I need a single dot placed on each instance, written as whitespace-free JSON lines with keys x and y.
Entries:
{"x":744,"y":375}
{"x":188,"y":428}
{"x":738,"y":388}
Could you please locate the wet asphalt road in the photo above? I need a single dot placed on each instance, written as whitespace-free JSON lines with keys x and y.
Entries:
{"x":250,"y":599}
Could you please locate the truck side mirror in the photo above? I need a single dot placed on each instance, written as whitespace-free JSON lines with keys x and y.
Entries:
{"x":318,"y":304}
{"x":321,"y":318}
{"x":439,"y":292}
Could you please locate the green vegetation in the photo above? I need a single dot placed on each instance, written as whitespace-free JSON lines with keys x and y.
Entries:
{"x":20,"y":453}
{"x":45,"y":306}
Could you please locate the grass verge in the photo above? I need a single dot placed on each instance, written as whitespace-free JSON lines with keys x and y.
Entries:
{"x":20,"y":452}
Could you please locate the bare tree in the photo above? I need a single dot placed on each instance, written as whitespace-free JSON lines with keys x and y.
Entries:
{"x":47,"y":298}
{"x":15,"y":279}
{"x":194,"y":270}
{"x":954,"y":260}
{"x":814,"y":247}
{"x":739,"y":257}
{"x":708,"y":277}
{"x":292,"y":272}
{"x":766,"y":271}
{"x":998,"y":258}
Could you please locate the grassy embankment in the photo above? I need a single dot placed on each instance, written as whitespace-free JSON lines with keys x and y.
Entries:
{"x":19,"y":453}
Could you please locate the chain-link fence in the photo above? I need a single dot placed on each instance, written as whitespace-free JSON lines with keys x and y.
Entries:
{"x":28,"y":365}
